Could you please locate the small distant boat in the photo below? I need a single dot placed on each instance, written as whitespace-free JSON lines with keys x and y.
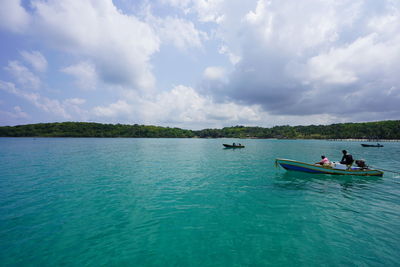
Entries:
{"x":334,"y":168}
{"x":233,"y":146}
{"x":368,"y":145}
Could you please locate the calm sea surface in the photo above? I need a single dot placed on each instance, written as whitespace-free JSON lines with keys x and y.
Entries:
{"x":189,"y":202}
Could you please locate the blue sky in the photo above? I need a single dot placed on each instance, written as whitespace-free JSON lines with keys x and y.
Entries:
{"x":199,"y":64}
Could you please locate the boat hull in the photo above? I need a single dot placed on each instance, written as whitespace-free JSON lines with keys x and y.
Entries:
{"x":292,"y":165}
{"x":231,"y":146}
{"x":366,"y":145}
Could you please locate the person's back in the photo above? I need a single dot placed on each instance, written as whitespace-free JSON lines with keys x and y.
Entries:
{"x":347,"y":158}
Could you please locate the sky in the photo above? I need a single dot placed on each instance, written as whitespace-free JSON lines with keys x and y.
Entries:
{"x":198,"y":64}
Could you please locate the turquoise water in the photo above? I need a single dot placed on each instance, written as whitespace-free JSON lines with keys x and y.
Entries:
{"x":189,"y":202}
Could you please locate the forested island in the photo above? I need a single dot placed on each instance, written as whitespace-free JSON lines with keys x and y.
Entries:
{"x":366,"y":130}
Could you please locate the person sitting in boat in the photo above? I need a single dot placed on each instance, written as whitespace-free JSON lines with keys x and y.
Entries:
{"x":324,"y":161}
{"x":347,"y":159}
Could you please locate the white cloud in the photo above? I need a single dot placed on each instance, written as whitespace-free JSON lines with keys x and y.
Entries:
{"x":386,"y":24}
{"x":60,"y":109}
{"x":311,"y":57}
{"x":43,"y":103}
{"x":74,"y":106}
{"x":295,"y":26}
{"x":182,"y":4}
{"x":209,"y":10}
{"x":234,"y":59}
{"x":184,"y":105}
{"x":35,"y":59}
{"x":364,"y":57}
{"x":16,"y":113}
{"x":75,"y":101}
{"x":120,"y":46}
{"x":206,"y":10}
{"x":214,"y":73}
{"x":13,"y":17}
{"x":19,"y":113}
{"x":23,"y":75}
{"x":179,"y":32}
{"x":118,"y":109}
{"x":292,"y":60}
{"x":85,"y":74}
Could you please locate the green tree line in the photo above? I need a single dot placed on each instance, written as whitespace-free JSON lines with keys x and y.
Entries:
{"x":85,"y":129}
{"x":369,"y":130}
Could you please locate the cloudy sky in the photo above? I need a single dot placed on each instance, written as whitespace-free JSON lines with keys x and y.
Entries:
{"x":199,"y":63}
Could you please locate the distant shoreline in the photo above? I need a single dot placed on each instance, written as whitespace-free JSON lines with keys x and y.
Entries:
{"x":197,"y":137}
{"x":365,"y":140}
{"x":380,"y":131}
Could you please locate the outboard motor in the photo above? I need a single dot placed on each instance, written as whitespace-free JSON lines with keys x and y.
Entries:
{"x":361,"y":163}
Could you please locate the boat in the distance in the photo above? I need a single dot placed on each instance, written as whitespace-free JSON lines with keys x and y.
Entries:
{"x":370,"y":145}
{"x":333,"y":168}
{"x":233,"y":146}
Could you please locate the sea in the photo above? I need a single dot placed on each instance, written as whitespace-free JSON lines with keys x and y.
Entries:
{"x":190,"y":202}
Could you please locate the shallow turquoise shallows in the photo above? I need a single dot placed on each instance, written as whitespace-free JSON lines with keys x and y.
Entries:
{"x":190,"y":202}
